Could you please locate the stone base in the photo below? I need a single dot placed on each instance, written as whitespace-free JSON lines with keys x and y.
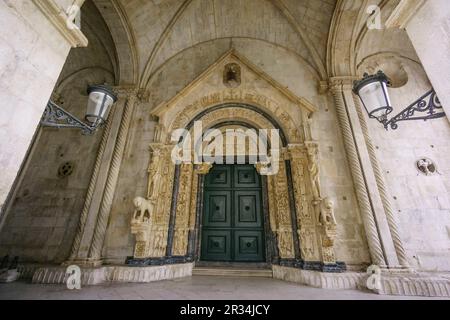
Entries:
{"x":392,"y":283}
{"x":95,"y":276}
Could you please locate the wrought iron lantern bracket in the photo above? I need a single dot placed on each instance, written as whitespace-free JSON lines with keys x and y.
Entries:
{"x":425,"y":108}
{"x":57,"y":117}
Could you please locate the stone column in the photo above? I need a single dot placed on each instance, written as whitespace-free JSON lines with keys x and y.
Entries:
{"x":111,"y":182}
{"x":35,"y":42}
{"x":428,"y":26}
{"x":87,"y":224}
{"x":382,"y":188}
{"x":372,"y":187}
{"x":370,"y":225}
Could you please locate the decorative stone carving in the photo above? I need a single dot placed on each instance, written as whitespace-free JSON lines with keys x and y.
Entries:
{"x":426,"y":166}
{"x":307,"y":240}
{"x":327,"y":217}
{"x":285,"y":244}
{"x":239,"y":96}
{"x":313,"y":167}
{"x":282,"y":215}
{"x":154,"y":172}
{"x":143,"y":210}
{"x":180,"y":242}
{"x":203,"y":169}
{"x":182,"y":214}
{"x":151,"y":217}
{"x":232,"y":75}
{"x":328,"y":224}
{"x":305,"y":204}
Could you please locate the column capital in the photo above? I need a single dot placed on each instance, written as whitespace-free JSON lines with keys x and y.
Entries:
{"x":203,"y":169}
{"x":339,"y":84}
{"x":126,"y":92}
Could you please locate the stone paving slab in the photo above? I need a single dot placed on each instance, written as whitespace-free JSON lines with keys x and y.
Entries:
{"x":192,"y":288}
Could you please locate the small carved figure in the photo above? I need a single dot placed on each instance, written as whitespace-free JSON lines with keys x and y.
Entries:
{"x":154,"y":174}
{"x":232,"y":75}
{"x":426,"y":166}
{"x":313,"y":168}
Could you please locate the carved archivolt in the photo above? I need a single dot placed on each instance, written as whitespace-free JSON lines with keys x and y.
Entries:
{"x":237,"y":97}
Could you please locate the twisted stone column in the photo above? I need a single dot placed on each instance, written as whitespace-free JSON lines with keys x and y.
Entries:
{"x":393,"y":226}
{"x":111,"y":182}
{"x":370,"y":226}
{"x":91,"y":190}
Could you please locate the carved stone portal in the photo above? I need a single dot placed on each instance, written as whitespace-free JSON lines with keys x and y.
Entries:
{"x":294,"y":192}
{"x":316,"y":223}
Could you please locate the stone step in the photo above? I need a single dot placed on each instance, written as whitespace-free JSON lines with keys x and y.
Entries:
{"x":233,"y":272}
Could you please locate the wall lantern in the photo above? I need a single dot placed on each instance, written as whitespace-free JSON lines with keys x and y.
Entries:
{"x":101,"y":99}
{"x":374,"y":95}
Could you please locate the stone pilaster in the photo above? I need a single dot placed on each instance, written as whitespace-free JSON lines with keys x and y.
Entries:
{"x":280,"y":205}
{"x":305,"y":173}
{"x":181,"y":234}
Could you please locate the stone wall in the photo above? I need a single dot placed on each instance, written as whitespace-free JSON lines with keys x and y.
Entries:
{"x":44,"y":212}
{"x":29,"y":42}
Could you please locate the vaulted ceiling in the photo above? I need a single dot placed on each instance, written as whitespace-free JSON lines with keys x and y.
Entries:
{"x":325,"y":34}
{"x":160,"y":29}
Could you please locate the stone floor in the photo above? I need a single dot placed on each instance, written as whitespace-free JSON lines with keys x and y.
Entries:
{"x":194,"y":288}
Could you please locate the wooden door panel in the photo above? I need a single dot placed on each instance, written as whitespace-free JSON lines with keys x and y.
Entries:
{"x":247,"y":210}
{"x":216,"y":245}
{"x":248,"y":245}
{"x":217,"y":209}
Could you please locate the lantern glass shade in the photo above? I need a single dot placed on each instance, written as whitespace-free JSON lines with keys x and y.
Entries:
{"x":101,"y":99}
{"x":373,"y":92}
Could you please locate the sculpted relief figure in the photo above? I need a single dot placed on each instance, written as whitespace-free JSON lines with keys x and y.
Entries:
{"x":313,"y":167}
{"x":155,"y":175}
{"x":329,"y":230}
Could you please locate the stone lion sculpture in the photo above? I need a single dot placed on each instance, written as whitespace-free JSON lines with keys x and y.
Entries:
{"x":327,"y":217}
{"x":143,"y":210}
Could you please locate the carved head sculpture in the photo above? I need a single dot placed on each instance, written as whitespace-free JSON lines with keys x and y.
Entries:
{"x":232,"y":75}
{"x":426,"y":166}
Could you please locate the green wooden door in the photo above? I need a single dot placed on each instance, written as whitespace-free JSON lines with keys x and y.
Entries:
{"x":233,"y":226}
